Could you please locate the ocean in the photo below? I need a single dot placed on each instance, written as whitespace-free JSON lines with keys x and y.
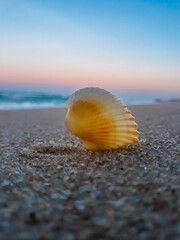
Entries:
{"x":18,"y":99}
{"x":29,"y":99}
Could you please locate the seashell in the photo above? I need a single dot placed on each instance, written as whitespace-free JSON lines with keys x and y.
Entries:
{"x":99,"y":119}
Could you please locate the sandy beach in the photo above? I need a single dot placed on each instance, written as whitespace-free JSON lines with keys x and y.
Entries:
{"x":53,"y":188}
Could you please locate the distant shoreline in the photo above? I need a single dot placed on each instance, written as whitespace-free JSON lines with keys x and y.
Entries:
{"x":62,"y":107}
{"x":11,"y":100}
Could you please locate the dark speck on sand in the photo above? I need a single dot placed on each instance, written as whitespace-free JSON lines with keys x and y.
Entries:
{"x":52,"y":188}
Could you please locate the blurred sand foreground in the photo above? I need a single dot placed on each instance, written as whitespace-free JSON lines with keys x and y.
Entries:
{"x":52,"y":188}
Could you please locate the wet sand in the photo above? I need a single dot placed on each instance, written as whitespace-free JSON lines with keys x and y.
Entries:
{"x":52,"y":188}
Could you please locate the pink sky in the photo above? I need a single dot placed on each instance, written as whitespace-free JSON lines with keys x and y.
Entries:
{"x":107,"y":78}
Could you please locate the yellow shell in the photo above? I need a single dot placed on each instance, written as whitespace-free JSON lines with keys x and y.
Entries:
{"x":100,"y":120}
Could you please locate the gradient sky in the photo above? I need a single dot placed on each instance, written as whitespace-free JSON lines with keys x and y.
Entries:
{"x":132,"y":44}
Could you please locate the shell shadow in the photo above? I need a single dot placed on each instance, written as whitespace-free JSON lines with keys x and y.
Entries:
{"x":53,"y":148}
{"x":57,"y":148}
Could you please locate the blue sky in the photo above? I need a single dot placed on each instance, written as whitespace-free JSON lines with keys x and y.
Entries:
{"x":126,"y":44}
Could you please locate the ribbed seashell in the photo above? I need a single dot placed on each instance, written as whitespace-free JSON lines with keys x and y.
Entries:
{"x":99,"y":119}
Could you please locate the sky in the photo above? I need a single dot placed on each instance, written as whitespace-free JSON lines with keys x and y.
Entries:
{"x":132,"y":44}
